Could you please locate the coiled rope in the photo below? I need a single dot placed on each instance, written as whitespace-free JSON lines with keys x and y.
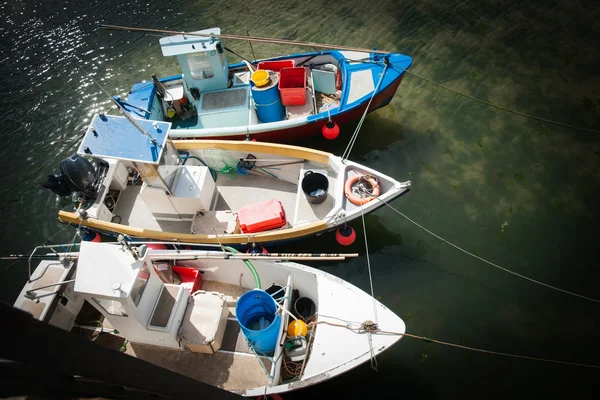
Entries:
{"x":486,"y":261}
{"x":370,"y":327}
{"x":499,"y":107}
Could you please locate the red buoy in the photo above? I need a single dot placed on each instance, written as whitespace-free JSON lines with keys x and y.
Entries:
{"x":249,"y":139}
{"x":345,"y":235}
{"x":257,"y":250}
{"x":91,"y":236}
{"x":330,"y":130}
{"x":273,"y":396}
{"x":154,"y":246}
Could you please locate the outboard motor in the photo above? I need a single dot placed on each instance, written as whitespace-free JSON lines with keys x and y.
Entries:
{"x":76,"y":175}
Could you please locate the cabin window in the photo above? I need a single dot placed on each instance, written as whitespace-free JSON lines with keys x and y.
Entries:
{"x":140,"y":284}
{"x":200,"y":66}
{"x":113,"y":307}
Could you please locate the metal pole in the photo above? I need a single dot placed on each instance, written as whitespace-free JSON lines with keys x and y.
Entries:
{"x":249,"y":41}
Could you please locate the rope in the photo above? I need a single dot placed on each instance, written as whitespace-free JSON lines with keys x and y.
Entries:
{"x":362,"y":215}
{"x":372,"y":328}
{"x":489,"y":262}
{"x":346,"y":153}
{"x":498,"y":106}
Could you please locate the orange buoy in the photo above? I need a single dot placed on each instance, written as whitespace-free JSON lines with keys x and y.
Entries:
{"x":330,"y":130}
{"x":297,"y":328}
{"x":361,"y":198}
{"x":345,"y":235}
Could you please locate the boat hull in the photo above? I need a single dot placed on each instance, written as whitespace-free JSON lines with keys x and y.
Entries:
{"x":310,"y":128}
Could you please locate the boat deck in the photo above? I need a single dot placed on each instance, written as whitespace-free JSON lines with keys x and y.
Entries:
{"x":233,"y":367}
{"x":233,"y":193}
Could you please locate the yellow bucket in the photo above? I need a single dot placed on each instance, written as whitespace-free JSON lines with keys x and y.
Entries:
{"x":260,"y":77}
{"x":297,"y":328}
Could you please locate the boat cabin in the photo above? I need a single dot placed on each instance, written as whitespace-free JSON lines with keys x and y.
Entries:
{"x":171,"y":191}
{"x":124,"y":285}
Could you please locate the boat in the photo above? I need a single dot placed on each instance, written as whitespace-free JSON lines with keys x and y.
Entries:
{"x":280,"y":99}
{"x":128,"y":177}
{"x":192,"y":312}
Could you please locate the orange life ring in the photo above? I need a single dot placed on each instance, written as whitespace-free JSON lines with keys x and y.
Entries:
{"x":357,"y":199}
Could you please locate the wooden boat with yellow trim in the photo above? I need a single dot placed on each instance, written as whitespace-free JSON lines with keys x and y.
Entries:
{"x":128,"y":177}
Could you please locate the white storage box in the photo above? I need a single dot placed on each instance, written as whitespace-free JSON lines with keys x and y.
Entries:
{"x":204,"y":322}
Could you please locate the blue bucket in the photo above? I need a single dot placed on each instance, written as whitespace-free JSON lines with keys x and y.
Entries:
{"x":256,"y":311}
{"x":268,"y":101}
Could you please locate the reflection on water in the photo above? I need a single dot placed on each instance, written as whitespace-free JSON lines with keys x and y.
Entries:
{"x":518,"y":192}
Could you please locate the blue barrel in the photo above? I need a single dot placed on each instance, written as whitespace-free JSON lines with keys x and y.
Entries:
{"x":268,"y":101}
{"x":256,"y":312}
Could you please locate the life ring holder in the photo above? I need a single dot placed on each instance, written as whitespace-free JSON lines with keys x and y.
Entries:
{"x":359,"y":198}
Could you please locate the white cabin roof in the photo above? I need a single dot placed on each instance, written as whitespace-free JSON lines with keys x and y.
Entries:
{"x":106,"y":270}
{"x":185,"y":44}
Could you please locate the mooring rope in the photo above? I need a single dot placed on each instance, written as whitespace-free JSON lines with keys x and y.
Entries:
{"x":486,"y":261}
{"x":346,"y":153}
{"x":371,"y":328}
{"x":499,"y":107}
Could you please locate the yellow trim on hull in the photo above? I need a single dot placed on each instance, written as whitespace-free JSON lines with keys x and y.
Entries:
{"x":256,"y":147}
{"x":262,"y":237}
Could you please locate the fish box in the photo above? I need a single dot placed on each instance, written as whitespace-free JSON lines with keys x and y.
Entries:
{"x":292,"y":86}
{"x":276,"y":65}
{"x":263,"y":216}
{"x":204,"y":323}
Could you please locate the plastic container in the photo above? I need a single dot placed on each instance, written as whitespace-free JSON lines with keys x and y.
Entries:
{"x":276,"y":292}
{"x":276,"y":65}
{"x":304,"y":308}
{"x":263,"y":216}
{"x":191,"y":278}
{"x":267,"y":100}
{"x":315,"y":186}
{"x":260,"y":78}
{"x":292,"y":86}
{"x":256,"y":311}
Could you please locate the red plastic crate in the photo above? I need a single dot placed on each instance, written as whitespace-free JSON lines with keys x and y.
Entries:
{"x":262,"y":216}
{"x":292,"y":86}
{"x":191,"y":278}
{"x":276,"y":65}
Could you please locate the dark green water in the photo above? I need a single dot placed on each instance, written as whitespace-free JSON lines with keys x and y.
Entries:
{"x":518,"y":192}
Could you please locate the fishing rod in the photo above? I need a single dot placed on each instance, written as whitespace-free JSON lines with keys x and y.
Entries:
{"x":180,"y":256}
{"x":244,"y":38}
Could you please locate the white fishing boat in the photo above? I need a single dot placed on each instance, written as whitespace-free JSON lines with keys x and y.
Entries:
{"x":128,"y":177}
{"x":203,"y":314}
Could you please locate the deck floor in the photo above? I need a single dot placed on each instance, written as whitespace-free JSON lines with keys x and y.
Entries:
{"x":233,"y":367}
{"x":233,"y":193}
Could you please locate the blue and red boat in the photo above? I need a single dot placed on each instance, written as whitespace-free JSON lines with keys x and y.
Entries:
{"x":280,"y":99}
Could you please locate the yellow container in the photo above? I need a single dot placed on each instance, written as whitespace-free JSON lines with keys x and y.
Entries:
{"x":260,"y":77}
{"x":297,"y":328}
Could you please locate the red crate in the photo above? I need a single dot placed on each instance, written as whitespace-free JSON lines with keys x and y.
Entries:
{"x":191,"y":278}
{"x":276,"y":65}
{"x":292,"y":86}
{"x":263,"y":216}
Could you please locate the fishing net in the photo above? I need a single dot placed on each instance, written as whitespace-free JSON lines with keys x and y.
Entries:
{"x":219,"y":160}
